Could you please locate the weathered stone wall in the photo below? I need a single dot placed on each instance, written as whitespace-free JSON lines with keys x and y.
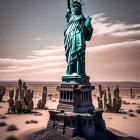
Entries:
{"x":2,"y":92}
{"x":23,"y":99}
{"x":108,"y":103}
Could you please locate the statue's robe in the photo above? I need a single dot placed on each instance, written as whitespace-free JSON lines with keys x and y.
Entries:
{"x":75,"y":36}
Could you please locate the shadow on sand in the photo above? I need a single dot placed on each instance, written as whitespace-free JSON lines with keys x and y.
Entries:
{"x":108,"y":135}
{"x":100,"y":135}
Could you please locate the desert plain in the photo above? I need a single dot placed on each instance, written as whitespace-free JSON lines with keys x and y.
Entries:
{"x":125,"y":123}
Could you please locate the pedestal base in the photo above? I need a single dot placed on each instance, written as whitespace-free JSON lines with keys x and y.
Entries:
{"x":75,"y":114}
{"x":76,"y":124}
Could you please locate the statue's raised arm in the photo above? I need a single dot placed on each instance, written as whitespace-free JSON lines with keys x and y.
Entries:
{"x":68,"y":15}
{"x":68,"y":6}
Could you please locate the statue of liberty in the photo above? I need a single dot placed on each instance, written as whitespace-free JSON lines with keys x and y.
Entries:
{"x":77,"y":32}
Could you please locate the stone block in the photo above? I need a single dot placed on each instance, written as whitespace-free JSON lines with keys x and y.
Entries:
{"x":39,"y":104}
{"x":22,"y":93}
{"x":17,"y":106}
{"x":20,"y":84}
{"x":11,"y":108}
{"x":17,"y":94}
{"x":2,"y":92}
{"x":11,"y":94}
{"x":30,"y":105}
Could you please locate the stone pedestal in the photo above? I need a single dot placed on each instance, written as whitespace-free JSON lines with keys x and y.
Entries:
{"x":75,"y":94}
{"x":75,"y":114}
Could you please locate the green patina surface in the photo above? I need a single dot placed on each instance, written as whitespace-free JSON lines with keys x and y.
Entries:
{"x":77,"y":32}
{"x":74,"y":78}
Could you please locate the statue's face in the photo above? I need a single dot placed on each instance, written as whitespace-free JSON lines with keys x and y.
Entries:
{"x":76,"y":9}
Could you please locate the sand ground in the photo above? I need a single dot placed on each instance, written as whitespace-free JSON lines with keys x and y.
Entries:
{"x":118,"y":121}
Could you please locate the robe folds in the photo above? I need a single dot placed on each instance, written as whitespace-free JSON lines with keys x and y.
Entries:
{"x":76,"y":34}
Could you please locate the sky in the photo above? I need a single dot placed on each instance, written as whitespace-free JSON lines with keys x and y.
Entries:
{"x":31,"y":40}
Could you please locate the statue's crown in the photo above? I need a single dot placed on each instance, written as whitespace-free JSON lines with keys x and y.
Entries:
{"x":78,"y":3}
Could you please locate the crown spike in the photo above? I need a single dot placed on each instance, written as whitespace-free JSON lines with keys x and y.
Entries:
{"x":78,"y":1}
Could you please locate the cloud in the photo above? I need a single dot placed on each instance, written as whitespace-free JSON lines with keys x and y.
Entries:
{"x":117,"y":45}
{"x":54,"y":47}
{"x":53,"y":70}
{"x":41,"y":38}
{"x":117,"y":61}
{"x":48,"y":52}
{"x":41,"y":62}
{"x":47,"y":36}
{"x":103,"y":25}
{"x":38,"y":38}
